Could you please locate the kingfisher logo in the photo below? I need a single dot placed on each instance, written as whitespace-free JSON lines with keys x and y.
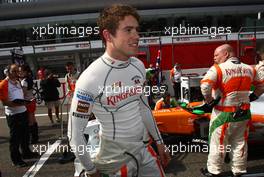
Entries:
{"x":238,"y":71}
{"x":112,"y":100}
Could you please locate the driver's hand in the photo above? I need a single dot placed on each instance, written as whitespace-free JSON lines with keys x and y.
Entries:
{"x":165,"y":157}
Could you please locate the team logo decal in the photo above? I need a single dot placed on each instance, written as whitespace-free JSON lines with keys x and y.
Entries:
{"x":82,"y":107}
{"x":84,"y":96}
{"x":82,"y":116}
{"x":136,"y":79}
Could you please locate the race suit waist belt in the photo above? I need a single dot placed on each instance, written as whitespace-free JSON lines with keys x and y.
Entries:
{"x":244,"y":106}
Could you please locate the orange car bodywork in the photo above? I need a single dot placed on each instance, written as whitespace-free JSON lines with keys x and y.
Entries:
{"x":179,"y":121}
{"x":176,"y":120}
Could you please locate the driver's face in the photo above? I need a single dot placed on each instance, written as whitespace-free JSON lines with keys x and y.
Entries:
{"x":125,"y":41}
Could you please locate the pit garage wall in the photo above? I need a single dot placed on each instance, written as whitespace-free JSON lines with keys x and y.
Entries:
{"x":194,"y":58}
{"x":191,"y":55}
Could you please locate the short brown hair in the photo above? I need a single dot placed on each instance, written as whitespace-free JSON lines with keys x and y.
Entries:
{"x":109,"y":18}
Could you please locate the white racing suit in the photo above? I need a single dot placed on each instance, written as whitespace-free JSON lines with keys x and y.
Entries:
{"x":113,"y":91}
{"x":231,"y":81}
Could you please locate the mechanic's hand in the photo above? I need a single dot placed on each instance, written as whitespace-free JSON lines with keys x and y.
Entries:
{"x":214,"y":102}
{"x":208,"y":100}
{"x":165,"y":157}
{"x":253,"y":97}
{"x":208,"y":106}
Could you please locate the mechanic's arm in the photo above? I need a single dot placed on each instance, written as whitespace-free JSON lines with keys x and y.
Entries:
{"x":259,"y":84}
{"x":158,"y":106}
{"x":12,"y":104}
{"x":80,"y":113}
{"x":207,"y":84}
{"x":5,"y":100}
{"x":259,"y":90}
{"x":4,"y":95}
{"x":152,"y":128}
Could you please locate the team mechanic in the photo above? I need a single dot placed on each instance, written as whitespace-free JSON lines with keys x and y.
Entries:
{"x":16,"y":117}
{"x":260,"y":71}
{"x":111,"y":88}
{"x":231,"y":80}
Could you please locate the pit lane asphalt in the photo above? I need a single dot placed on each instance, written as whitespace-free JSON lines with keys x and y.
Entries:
{"x":183,"y":164}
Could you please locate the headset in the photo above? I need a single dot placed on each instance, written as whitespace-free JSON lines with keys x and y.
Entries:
{"x":7,"y":70}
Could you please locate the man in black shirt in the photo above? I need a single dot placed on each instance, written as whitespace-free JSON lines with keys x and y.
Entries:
{"x":50,"y":93}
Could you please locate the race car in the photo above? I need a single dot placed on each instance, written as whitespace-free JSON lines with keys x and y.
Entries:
{"x":183,"y":120}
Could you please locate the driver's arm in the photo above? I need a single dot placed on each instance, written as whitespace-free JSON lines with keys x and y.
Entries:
{"x":80,"y":113}
{"x":149,"y":120}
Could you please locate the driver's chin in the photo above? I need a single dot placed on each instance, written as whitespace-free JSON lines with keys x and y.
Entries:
{"x":132,"y":52}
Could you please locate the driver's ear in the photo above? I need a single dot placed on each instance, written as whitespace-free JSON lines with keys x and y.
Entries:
{"x":107,"y":35}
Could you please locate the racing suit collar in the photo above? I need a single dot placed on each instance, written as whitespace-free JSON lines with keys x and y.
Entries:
{"x":233,"y":59}
{"x":114,"y":62}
